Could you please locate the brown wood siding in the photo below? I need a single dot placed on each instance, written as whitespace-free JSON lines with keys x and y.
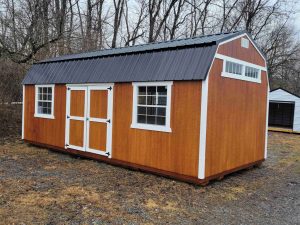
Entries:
{"x":236,"y":121}
{"x":46,"y":131}
{"x":235,"y":50}
{"x":176,"y":151}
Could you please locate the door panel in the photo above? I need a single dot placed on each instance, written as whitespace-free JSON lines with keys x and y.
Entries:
{"x":98,"y":103}
{"x":76,"y":133}
{"x":99,"y":120}
{"x":97,"y":136}
{"x":76,"y":118}
{"x":77,"y":107}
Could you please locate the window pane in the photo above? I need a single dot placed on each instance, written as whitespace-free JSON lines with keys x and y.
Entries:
{"x":151,"y":111}
{"x":151,"y":100}
{"x":151,"y":90}
{"x":40,"y":97}
{"x":162,"y":101}
{"x":49,"y":97}
{"x":150,"y":119}
{"x":49,"y":111}
{"x":161,"y":111}
{"x":141,"y":119}
{"x":251,"y":72}
{"x":142,"y":90}
{"x":44,"y":96}
{"x":40,"y":90}
{"x":45,"y":90}
{"x":142,"y":100}
{"x":162,"y":90}
{"x":141,"y":110}
{"x":160,"y":120}
{"x":50,"y":90}
{"x":234,"y":68}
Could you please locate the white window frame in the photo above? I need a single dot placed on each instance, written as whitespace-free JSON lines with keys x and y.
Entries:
{"x":244,"y":64}
{"x":40,"y":115}
{"x":153,"y":127}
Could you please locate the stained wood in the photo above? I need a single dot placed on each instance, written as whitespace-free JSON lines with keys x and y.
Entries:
{"x":76,"y":132}
{"x":235,"y":50}
{"x":98,"y":103}
{"x":97,"y":135}
{"x":236,"y":121}
{"x":47,"y":131}
{"x":168,"y":174}
{"x":176,"y":151}
{"x":77,"y":106}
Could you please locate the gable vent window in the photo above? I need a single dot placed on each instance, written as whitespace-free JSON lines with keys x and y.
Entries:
{"x":44,"y":101}
{"x":152,"y":106}
{"x":245,"y":43}
{"x":241,"y":70}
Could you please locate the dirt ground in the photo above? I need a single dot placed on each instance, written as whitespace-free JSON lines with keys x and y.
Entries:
{"x":39,"y":186}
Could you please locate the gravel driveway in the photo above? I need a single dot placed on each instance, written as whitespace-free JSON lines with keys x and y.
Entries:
{"x":38,"y":186}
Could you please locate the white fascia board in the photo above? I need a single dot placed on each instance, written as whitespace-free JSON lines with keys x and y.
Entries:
{"x":250,"y":39}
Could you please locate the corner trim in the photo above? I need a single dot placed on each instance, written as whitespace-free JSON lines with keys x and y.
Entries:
{"x":23,"y":112}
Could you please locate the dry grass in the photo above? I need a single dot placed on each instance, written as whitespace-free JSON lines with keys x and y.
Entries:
{"x":39,"y":186}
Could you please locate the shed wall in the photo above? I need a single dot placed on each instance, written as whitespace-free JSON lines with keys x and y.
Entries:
{"x":46,"y":131}
{"x":176,"y":152}
{"x":281,"y":95}
{"x":236,"y":117}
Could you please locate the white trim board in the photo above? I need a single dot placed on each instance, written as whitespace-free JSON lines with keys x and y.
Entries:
{"x":203,"y":122}
{"x":267,"y":119}
{"x":23,"y":112}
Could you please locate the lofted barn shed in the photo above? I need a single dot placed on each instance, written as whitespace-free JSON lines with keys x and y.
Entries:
{"x":192,"y":109}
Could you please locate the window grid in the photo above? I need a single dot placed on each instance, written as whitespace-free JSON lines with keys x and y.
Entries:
{"x":44,"y":100}
{"x":152,"y":105}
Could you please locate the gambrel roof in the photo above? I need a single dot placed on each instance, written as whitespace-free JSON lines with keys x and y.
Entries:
{"x":183,"y":59}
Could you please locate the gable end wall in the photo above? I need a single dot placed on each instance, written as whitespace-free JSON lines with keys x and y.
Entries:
{"x":236,"y":114}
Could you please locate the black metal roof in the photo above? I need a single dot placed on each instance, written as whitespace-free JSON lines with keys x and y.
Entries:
{"x":184,"y":59}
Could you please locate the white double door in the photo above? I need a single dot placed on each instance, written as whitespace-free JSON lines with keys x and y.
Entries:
{"x":89,"y":118}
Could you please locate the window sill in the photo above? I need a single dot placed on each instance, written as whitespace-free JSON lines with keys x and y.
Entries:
{"x":151,"y":127}
{"x":44,"y":116}
{"x":240,"y":77}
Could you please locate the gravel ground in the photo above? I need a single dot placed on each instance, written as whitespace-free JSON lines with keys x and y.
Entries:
{"x":39,"y":186}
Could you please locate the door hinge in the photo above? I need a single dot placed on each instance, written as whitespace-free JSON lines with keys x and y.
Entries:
{"x":68,"y":88}
{"x":67,"y":145}
{"x":68,"y":117}
{"x":108,"y":121}
{"x":107,"y":153}
{"x":109,"y":88}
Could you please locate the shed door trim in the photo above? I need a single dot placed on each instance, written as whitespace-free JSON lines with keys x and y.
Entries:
{"x":86,"y":117}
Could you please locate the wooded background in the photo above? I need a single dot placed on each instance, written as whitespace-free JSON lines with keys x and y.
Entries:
{"x":31,"y":30}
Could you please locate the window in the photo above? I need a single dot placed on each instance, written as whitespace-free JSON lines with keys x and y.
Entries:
{"x":251,"y":72}
{"x":234,"y":68}
{"x":238,"y":69}
{"x":44,"y":101}
{"x":152,"y":106}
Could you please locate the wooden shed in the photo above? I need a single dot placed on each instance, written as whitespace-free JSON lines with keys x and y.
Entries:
{"x":284,"y":111}
{"x":192,"y":109}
